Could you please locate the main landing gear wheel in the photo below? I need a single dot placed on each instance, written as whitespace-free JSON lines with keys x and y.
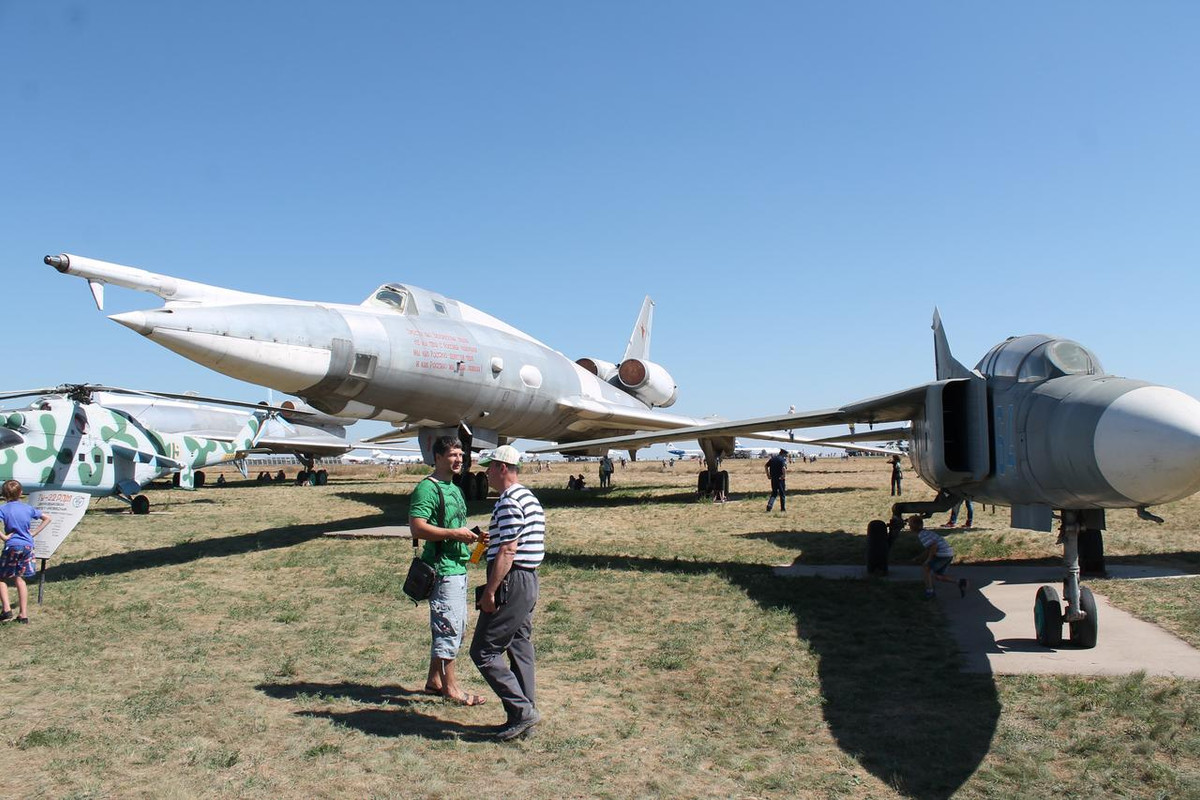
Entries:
{"x":322,"y":477}
{"x":707,"y":485}
{"x":140,"y":504}
{"x":1047,"y":617}
{"x":1085,"y":632}
{"x":198,"y":480}
{"x":878,"y":545}
{"x":473,"y":485}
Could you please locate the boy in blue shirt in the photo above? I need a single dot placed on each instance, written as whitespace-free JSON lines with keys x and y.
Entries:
{"x":16,"y":561}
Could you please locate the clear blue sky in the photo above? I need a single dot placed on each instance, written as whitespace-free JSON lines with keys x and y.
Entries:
{"x":796,"y":184}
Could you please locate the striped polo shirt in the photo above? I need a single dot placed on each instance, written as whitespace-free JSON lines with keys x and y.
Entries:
{"x":518,"y":515}
{"x":929,"y":538}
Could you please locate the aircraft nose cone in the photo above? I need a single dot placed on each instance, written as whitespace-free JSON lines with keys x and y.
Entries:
{"x":134,"y":320}
{"x":1148,"y":445}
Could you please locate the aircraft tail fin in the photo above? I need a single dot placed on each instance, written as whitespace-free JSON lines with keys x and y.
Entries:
{"x":639,"y":340}
{"x":946,"y":364}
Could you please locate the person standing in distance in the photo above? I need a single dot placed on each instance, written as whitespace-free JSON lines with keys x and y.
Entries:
{"x":502,"y":648}
{"x":438,"y":514}
{"x":777,"y":472}
{"x":897,"y":475}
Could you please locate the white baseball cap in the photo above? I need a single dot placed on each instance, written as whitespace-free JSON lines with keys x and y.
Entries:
{"x":507,"y":454}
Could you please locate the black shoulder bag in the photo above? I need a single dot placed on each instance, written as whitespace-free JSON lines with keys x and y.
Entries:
{"x":421,"y":578}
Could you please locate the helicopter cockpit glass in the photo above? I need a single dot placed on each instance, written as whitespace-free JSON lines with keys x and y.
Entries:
{"x":391,"y":297}
{"x":1033,"y":358}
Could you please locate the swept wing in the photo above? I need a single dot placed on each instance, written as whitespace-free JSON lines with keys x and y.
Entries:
{"x":895,"y":407}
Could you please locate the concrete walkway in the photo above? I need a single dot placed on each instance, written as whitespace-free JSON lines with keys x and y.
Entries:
{"x":993,"y":625}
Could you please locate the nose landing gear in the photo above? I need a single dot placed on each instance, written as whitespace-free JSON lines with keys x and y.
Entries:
{"x":1080,"y":613}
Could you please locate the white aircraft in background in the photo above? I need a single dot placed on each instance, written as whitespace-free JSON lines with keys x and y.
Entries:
{"x":395,"y":457}
{"x":682,"y":452}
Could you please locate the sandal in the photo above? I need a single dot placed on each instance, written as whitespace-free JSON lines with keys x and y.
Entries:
{"x":431,"y":690}
{"x":468,"y":699}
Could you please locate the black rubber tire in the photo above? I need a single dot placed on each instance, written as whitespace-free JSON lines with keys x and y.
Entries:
{"x":878,"y":544}
{"x":702,"y":482}
{"x":140,"y":504}
{"x":322,"y":477}
{"x":198,"y":480}
{"x":481,"y":486}
{"x":1047,"y":617}
{"x":723,"y":482}
{"x":302,"y":477}
{"x":1085,"y":633}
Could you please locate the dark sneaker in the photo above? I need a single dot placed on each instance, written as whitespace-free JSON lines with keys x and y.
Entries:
{"x":929,"y":594}
{"x":519,"y":728}
{"x":962,"y":587}
{"x":5,"y":616}
{"x":23,"y":620}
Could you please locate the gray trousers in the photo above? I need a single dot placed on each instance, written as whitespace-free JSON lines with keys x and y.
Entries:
{"x":508,"y":631}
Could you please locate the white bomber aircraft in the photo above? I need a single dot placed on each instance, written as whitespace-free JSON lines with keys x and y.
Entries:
{"x":427,"y":363}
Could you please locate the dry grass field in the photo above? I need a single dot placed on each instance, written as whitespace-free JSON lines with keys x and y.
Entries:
{"x":223,"y":647}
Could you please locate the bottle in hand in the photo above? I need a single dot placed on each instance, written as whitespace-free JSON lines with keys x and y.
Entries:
{"x":480,"y":546}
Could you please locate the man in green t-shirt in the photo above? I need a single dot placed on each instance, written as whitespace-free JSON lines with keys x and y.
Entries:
{"x":437,"y":513}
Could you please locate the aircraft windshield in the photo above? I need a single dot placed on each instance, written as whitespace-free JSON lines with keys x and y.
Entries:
{"x":1037,"y":358}
{"x":388,"y":296}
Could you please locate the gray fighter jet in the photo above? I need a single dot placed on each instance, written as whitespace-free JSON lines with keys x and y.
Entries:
{"x":425,"y":362}
{"x":1037,"y":426}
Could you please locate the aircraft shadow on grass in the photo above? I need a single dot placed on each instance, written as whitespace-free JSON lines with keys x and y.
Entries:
{"x":890,"y":673}
{"x":391,"y":509}
{"x":395,"y":505}
{"x":214,"y":547}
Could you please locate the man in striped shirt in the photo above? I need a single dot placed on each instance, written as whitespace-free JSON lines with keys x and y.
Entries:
{"x":502,"y":648}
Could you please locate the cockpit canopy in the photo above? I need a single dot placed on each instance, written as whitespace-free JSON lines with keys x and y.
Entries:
{"x":1037,"y":357}
{"x":390,"y":296}
{"x":412,"y":301}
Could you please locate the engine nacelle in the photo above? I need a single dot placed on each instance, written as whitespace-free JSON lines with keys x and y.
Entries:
{"x":647,"y":381}
{"x":604,"y":370}
{"x":311,"y":416}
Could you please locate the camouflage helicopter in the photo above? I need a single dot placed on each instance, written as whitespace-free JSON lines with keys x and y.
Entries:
{"x":67,"y":443}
